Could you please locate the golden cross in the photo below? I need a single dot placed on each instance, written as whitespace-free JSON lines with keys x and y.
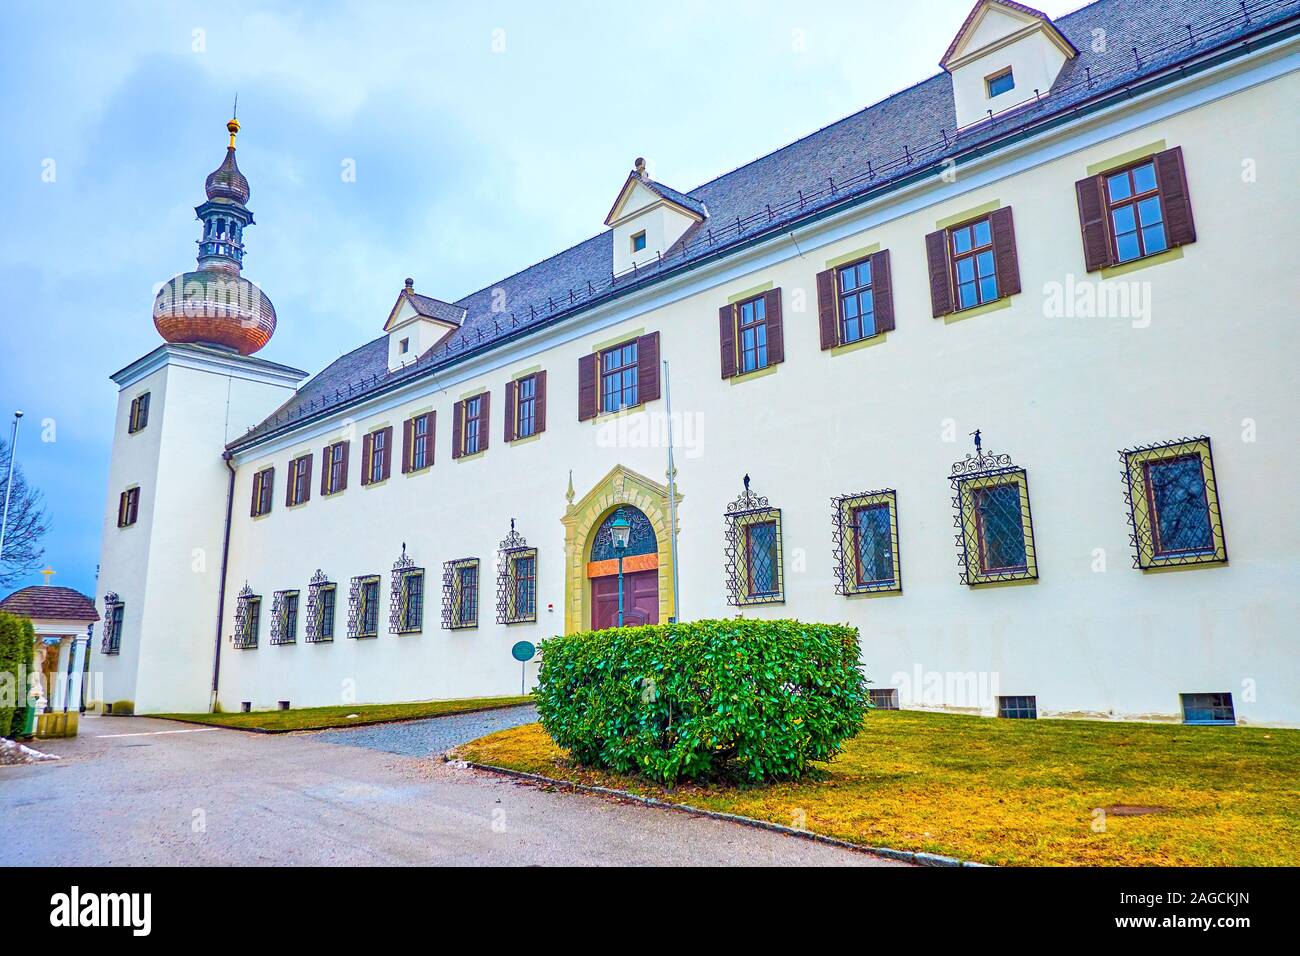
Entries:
{"x":49,"y":573}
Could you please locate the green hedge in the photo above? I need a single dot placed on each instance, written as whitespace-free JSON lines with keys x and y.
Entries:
{"x":17,"y":646}
{"x":761,"y":700}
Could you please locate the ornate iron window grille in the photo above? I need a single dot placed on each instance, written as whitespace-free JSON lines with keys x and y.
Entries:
{"x":460,"y":594}
{"x":248,"y":612}
{"x":363,"y":615}
{"x":406,"y":598}
{"x":112,"y":641}
{"x":973,"y":478}
{"x":284,"y":617}
{"x":1148,"y":551}
{"x":748,"y":511}
{"x":845,"y":548}
{"x":320,"y":625}
{"x":516,"y":590}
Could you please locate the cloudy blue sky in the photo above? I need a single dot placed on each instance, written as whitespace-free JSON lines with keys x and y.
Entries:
{"x":485,"y":137}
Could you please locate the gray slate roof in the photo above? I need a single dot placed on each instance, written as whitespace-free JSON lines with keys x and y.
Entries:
{"x":863,"y":154}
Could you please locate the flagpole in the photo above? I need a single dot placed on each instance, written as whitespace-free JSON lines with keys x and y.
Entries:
{"x":672,"y":494}
{"x":9,"y":482}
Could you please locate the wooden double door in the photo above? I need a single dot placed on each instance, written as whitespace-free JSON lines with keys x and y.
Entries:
{"x":640,"y":599}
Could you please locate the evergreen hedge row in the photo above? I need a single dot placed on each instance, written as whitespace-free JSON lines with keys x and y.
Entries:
{"x":17,"y":647}
{"x":758,"y":700}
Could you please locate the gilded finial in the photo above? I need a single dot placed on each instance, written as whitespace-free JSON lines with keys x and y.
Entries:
{"x":233,"y":126}
{"x":569,"y":495}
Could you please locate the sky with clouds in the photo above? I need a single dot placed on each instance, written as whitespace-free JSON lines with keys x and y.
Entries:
{"x":484,"y":136}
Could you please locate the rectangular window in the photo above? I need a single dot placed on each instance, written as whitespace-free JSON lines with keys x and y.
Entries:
{"x":997,"y":533}
{"x":378,"y":455}
{"x":370,"y":606}
{"x":139,"y":417}
{"x":520,"y":587}
{"x":263,"y":488}
{"x":460,"y":594}
{"x":971,"y":248}
{"x":420,"y":442}
{"x":618,"y":377}
{"x":410,"y":609}
{"x":751,"y":333}
{"x":1001,"y":82}
{"x":1018,"y":708}
{"x":114,"y":614}
{"x":866,"y":542}
{"x":336,"y":458}
{"x":128,"y":508}
{"x":321,"y":607}
{"x":526,"y":407}
{"x":1208,"y":709}
{"x":328,"y":609}
{"x":284,"y":625}
{"x":1174,"y":504}
{"x":299,"y":480}
{"x":248,"y":619}
{"x":857,"y":309}
{"x":1137,"y":218}
{"x":1000,"y":528}
{"x":761,"y":558}
{"x":883,"y":698}
{"x":471,"y":427}
{"x":638,"y":242}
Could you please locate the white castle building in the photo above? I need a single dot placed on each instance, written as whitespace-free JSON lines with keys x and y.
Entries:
{"x":999,"y":370}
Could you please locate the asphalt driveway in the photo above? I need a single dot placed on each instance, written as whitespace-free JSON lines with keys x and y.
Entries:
{"x":140,"y":791}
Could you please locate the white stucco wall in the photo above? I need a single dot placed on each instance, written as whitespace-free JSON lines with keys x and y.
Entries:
{"x":1062,"y":395}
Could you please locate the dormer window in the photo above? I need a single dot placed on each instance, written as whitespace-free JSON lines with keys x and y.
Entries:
{"x":999,"y":83}
{"x":648,"y":218}
{"x":638,"y":242}
{"x":406,"y":346}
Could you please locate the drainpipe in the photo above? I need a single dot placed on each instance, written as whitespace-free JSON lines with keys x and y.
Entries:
{"x":221,"y":595}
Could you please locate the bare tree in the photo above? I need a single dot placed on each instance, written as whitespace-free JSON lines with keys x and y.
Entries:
{"x":27,"y":524}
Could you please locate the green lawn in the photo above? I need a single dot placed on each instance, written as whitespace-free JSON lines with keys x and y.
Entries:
{"x":353,"y":715}
{"x":1044,"y":792}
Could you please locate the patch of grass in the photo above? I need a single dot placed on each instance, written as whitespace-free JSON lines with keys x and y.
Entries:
{"x":1011,"y":791}
{"x":320,"y":718}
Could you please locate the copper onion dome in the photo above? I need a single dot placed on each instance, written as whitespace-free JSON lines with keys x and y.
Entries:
{"x":215,"y":305}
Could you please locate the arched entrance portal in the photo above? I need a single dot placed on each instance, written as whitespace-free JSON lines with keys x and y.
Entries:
{"x":640,"y":572}
{"x":587,"y":581}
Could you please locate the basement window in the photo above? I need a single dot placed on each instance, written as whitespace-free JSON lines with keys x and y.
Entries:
{"x":1018,"y":708}
{"x":1208,"y":709}
{"x":1001,"y":82}
{"x":884,"y":698}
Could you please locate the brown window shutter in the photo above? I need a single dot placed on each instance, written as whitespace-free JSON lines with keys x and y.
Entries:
{"x":484,"y":419}
{"x":132,"y":505}
{"x":304,"y":463}
{"x":539,"y":416}
{"x":727,"y":339}
{"x":325,"y":469}
{"x":509,"y":413}
{"x":827,"y":310}
{"x":367,"y":443}
{"x":121,"y":510}
{"x":1175,"y":196}
{"x":458,"y":430}
{"x":647,"y":368}
{"x":1092,"y":222}
{"x":408,"y":428}
{"x":291,"y":484}
{"x":257,"y":494}
{"x":428,"y":437}
{"x":388,"y":451}
{"x":343,"y":478}
{"x":775,"y":329}
{"x":882,"y":291}
{"x":1006,"y":260}
{"x":587,"y":386}
{"x":936,"y":251}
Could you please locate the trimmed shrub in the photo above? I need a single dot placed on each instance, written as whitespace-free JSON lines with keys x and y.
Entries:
{"x":761,"y":700}
{"x":17,"y":647}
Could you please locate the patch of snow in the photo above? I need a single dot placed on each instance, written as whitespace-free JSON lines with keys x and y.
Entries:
{"x":13,"y":753}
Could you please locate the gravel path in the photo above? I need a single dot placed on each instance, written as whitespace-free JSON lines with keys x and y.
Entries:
{"x":146,"y":792}
{"x":431,"y":737}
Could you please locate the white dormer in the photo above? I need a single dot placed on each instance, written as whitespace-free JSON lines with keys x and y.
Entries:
{"x":1002,"y":54}
{"x":647,"y":218}
{"x":418,"y":323}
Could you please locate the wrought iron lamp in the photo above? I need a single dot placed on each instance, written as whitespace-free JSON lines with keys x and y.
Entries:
{"x":619,"y":529}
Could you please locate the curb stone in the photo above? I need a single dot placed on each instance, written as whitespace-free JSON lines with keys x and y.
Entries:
{"x":907,"y":856}
{"x":318,"y":730}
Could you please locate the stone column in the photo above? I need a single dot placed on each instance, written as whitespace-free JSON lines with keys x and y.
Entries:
{"x":59,"y":692}
{"x":79,"y":644}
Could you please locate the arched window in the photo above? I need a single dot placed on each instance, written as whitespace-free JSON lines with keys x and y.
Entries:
{"x":641,"y":538}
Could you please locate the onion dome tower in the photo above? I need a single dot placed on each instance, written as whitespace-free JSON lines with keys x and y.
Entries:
{"x":215,"y":305}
